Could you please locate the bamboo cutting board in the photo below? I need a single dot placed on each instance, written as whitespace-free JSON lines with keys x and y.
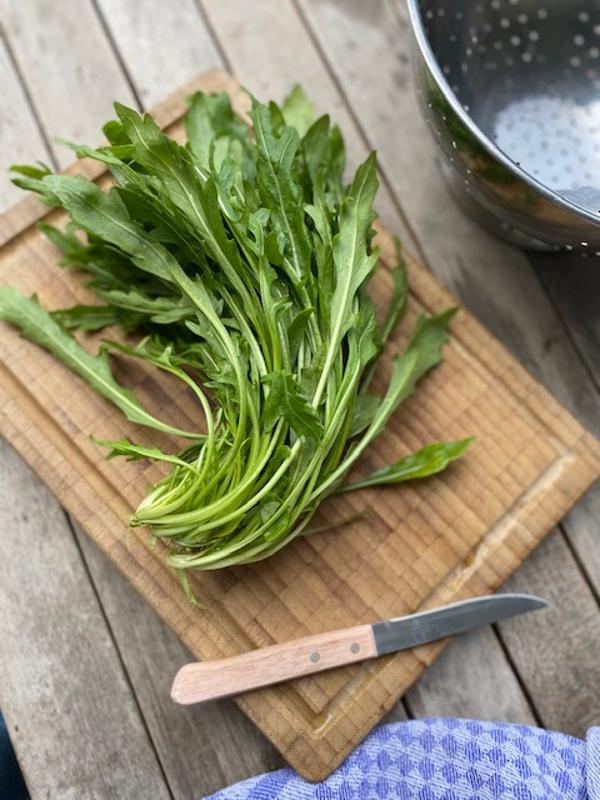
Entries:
{"x":417,"y":545}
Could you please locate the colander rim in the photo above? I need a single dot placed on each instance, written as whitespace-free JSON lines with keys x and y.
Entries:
{"x":418,"y":28}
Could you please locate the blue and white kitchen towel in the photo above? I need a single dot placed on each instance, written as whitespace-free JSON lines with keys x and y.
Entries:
{"x":447,"y":759}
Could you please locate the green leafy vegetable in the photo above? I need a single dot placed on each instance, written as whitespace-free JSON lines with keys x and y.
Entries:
{"x":242,"y":260}
{"x":285,"y":400}
{"x":428,"y":461}
{"x":39,"y":326}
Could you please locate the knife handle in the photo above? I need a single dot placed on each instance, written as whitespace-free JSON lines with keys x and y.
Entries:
{"x":210,"y":680}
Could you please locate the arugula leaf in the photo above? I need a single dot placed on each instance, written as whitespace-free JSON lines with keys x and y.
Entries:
{"x":430,"y":460}
{"x":365,"y":408}
{"x":38,"y":325}
{"x":278,"y":191}
{"x":136,"y":452}
{"x":297,"y":110}
{"x":31,"y":171}
{"x":210,"y":117}
{"x":429,"y":335}
{"x":105,"y":215}
{"x":399,"y":298}
{"x":353,"y":263}
{"x":285,"y":400}
{"x":89,"y":318}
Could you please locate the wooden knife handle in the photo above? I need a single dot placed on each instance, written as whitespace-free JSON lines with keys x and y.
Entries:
{"x":210,"y":680}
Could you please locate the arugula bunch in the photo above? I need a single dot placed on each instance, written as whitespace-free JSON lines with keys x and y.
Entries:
{"x":243,"y":259}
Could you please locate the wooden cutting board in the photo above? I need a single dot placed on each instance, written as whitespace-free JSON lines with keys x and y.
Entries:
{"x":416,"y":546}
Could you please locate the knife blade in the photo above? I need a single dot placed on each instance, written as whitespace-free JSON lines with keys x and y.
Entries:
{"x":210,"y":680}
{"x":402,"y":633}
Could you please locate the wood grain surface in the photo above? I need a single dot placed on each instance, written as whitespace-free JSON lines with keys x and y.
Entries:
{"x":458,"y":535}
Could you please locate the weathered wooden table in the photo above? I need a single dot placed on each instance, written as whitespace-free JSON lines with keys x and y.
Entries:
{"x":84,"y":664}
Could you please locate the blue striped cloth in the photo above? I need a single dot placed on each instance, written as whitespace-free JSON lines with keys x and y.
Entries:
{"x":447,"y":759}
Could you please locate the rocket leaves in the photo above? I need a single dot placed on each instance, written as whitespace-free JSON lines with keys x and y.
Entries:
{"x":241,"y":260}
{"x":285,"y":400}
{"x":429,"y":460}
{"x":38,"y":325}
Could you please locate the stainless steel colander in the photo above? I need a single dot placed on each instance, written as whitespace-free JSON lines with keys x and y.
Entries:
{"x":511,"y":89}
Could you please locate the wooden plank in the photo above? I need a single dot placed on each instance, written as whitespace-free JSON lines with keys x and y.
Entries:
{"x":163,"y":45}
{"x":581,"y":526}
{"x":57,"y":656}
{"x":258,"y":46}
{"x":573,"y":283}
{"x":68,"y":65}
{"x":201,"y":748}
{"x":494,"y":280}
{"x":71,"y":715}
{"x":562,"y":668}
{"x":55,"y":84}
{"x":470,"y":681}
{"x":22,"y":143}
{"x":421,"y":557}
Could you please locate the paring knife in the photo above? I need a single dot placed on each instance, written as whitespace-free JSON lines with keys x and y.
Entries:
{"x":209,"y":680}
